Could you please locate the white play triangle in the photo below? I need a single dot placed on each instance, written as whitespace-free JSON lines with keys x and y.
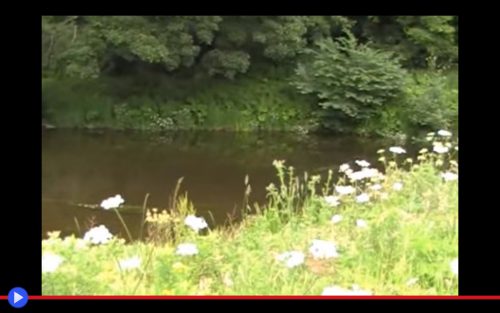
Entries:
{"x":17,"y":297}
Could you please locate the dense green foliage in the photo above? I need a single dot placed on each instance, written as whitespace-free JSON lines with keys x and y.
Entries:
{"x":351,"y":81}
{"x":355,"y":68}
{"x":242,"y":105}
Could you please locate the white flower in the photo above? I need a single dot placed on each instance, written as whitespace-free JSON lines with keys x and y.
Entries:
{"x":423,"y":150}
{"x":332,"y":200}
{"x":339,"y":291}
{"x":449,"y":176}
{"x":456,"y":148}
{"x":228,"y":282}
{"x":397,"y":186}
{"x":430,"y":134}
{"x":98,"y":235}
{"x":379,"y":151}
{"x":440,"y":149}
{"x":344,"y":190}
{"x":131,"y":263}
{"x":454,"y":266}
{"x":322,"y":249}
{"x":376,"y":187}
{"x":361,"y":223}
{"x":112,"y":202}
{"x":292,"y":258}
{"x":444,"y":133}
{"x":362,"y":163}
{"x":362,"y":198}
{"x":186,"y":249}
{"x":50,"y":262}
{"x":344,"y":167}
{"x":196,"y":223}
{"x":336,"y":218}
{"x":364,"y":173}
{"x":412,"y":281}
{"x":397,"y":150}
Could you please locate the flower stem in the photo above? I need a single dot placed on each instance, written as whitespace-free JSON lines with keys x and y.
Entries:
{"x":124,"y":225}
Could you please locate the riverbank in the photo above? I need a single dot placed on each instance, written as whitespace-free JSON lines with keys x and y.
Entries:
{"x":386,"y":234}
{"x":258,"y":101}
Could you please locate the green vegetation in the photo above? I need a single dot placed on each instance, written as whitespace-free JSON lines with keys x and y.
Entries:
{"x":369,"y":75}
{"x":391,"y":233}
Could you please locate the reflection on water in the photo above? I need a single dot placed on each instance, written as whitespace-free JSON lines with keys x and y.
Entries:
{"x":83,"y":167}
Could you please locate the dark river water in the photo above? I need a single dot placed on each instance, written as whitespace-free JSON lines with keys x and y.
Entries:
{"x":87,"y":167}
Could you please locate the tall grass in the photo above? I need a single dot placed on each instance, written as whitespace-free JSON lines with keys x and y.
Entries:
{"x":399,"y":242}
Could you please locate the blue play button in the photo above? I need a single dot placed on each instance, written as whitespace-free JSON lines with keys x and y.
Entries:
{"x":18,"y":297}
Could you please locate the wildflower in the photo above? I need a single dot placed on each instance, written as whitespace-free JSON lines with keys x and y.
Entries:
{"x":131,"y":263}
{"x":449,"y":176}
{"x":270,"y":187}
{"x":336,"y":218}
{"x":409,"y":160}
{"x":228,"y":282}
{"x":384,"y":196}
{"x":278,"y":163}
{"x":50,"y":262}
{"x":362,"y":198}
{"x":423,"y":150}
{"x":98,"y":235}
{"x":380,"y":151}
{"x":361,"y":223}
{"x":397,"y":186}
{"x":397,"y":150}
{"x":332,"y":200}
{"x":362,"y":163}
{"x":439,"y":148}
{"x":339,"y":291}
{"x":54,"y":234}
{"x":186,"y":249}
{"x":364,"y":173}
{"x":321,"y":249}
{"x":196,"y":223}
{"x":376,"y":187}
{"x":344,"y":167}
{"x":292,"y":258}
{"x":411,"y":281}
{"x":431,"y":134}
{"x":456,"y":148}
{"x":344,"y":190}
{"x":454,"y":266}
{"x":112,"y":202}
{"x":381,"y":159}
{"x":444,"y":133}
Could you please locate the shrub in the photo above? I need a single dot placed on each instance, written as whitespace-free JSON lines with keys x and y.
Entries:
{"x":349,"y":79}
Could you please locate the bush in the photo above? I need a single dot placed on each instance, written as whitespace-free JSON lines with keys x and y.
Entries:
{"x":431,"y":101}
{"x":350,"y":80}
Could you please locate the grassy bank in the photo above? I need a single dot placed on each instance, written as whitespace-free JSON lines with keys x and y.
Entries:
{"x":393,"y":233}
